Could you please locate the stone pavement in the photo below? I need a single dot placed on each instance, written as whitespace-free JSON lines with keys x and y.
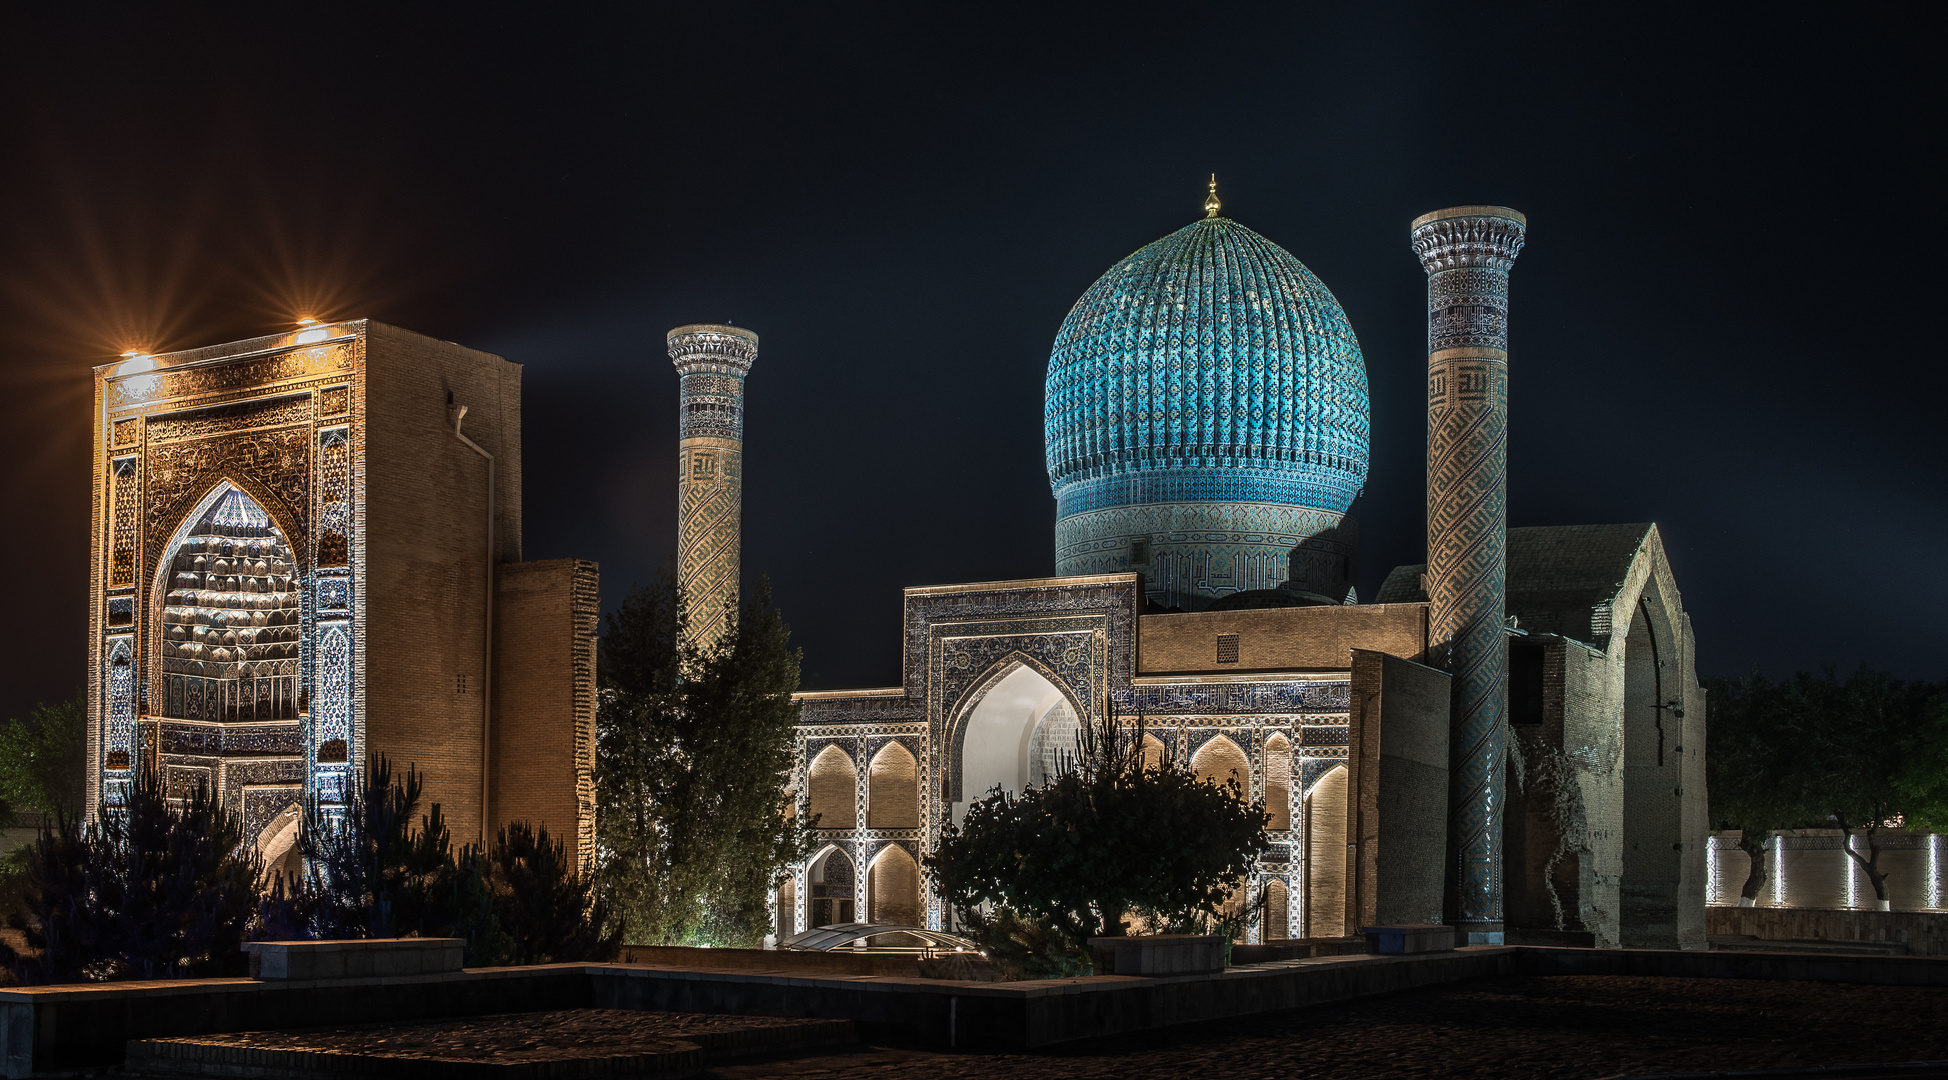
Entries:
{"x":1515,"y":1027}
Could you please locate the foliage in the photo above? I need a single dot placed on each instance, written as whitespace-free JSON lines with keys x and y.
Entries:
{"x":1753,"y":768}
{"x":43,"y":770}
{"x":374,"y":875}
{"x":148,"y":891}
{"x":1866,"y":752}
{"x":693,"y":748}
{"x":1106,"y":836}
{"x":43,"y":759}
{"x":1022,"y":947}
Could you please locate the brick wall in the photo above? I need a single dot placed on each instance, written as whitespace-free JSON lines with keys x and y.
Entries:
{"x":424,"y":510}
{"x":543,"y":746}
{"x":1279,"y":639}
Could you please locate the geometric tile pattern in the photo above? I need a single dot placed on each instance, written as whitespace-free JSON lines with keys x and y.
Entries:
{"x":1467,"y":254}
{"x":1208,"y":368}
{"x":712,"y":362}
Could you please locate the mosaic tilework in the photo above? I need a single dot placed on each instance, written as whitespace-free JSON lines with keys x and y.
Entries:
{"x":1467,"y":256}
{"x":1209,"y":367}
{"x":712,"y":363}
{"x":118,"y":730}
{"x":1188,"y":552}
{"x":1079,"y":633}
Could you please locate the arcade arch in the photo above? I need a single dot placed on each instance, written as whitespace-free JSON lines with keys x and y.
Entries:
{"x":893,"y":789}
{"x":1325,"y":855}
{"x":832,"y":784}
{"x":893,"y":888}
{"x":830,"y":882}
{"x":1012,"y":736}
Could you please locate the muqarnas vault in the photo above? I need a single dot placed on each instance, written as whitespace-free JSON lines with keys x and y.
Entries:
{"x":306,"y":555}
{"x":1510,"y":739}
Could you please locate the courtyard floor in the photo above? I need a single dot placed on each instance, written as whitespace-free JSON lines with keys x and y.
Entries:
{"x":1560,"y":1026}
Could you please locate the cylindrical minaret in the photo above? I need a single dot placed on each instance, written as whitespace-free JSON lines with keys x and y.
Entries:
{"x":712,"y":362}
{"x":1467,"y":251}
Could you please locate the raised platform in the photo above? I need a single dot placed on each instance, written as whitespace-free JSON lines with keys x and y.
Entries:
{"x":89,"y":1025}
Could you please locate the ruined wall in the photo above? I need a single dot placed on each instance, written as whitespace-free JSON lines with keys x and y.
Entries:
{"x":1397,"y":790}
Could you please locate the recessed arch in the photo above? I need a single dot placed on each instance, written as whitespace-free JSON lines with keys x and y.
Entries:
{"x":1653,"y":698}
{"x":1278,"y":782}
{"x":1278,"y":910}
{"x":277,"y":845}
{"x":994,"y":742}
{"x":893,"y":887}
{"x":832,"y":783}
{"x":1324,"y":826}
{"x":893,"y":789}
{"x":1223,"y":762}
{"x":226,"y":608}
{"x":1154,"y":754}
{"x":831,"y":883}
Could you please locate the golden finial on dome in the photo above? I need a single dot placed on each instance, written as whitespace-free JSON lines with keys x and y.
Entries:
{"x":1211,"y":203}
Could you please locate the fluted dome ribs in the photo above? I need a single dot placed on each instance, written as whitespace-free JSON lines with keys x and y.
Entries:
{"x":1209,"y":366}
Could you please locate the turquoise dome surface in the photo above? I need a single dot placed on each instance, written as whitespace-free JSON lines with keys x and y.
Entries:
{"x":1206,"y":421}
{"x":1209,"y":366}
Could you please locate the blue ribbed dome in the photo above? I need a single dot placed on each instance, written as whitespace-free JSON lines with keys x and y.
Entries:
{"x":1211,"y":354}
{"x":1213,"y":368}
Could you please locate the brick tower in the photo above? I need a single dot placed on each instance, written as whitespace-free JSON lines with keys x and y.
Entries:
{"x":712,"y":362}
{"x":1467,"y":252}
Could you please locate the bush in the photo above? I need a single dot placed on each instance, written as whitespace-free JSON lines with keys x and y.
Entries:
{"x":148,"y":891}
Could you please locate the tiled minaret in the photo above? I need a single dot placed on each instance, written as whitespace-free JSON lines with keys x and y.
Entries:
{"x":712,"y":362}
{"x":1467,"y":251}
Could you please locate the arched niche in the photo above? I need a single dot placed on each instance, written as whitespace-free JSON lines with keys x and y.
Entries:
{"x":1223,"y":763}
{"x":831,"y":883}
{"x":1278,"y":782}
{"x":833,"y":786}
{"x":893,"y":888}
{"x":787,"y":923}
{"x":1154,"y":754}
{"x":998,"y":744}
{"x":1278,"y":910}
{"x":1653,"y":779}
{"x":893,"y":789}
{"x":1324,"y":826}
{"x":228,"y":616}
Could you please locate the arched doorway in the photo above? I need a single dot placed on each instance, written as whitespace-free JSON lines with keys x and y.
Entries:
{"x":831,"y":884}
{"x":1014,"y":736}
{"x":893,"y":888}
{"x":1278,"y":908}
{"x":1325,"y":855}
{"x":277,"y":845}
{"x":787,"y":922}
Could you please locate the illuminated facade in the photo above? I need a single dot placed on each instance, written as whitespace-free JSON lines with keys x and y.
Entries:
{"x":301,"y":547}
{"x":1207,"y":432}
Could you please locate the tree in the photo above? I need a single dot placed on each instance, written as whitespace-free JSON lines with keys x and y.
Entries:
{"x":1755,"y":771}
{"x":147,"y":891}
{"x":1861,"y":736}
{"x":372,"y":874}
{"x":43,"y":759}
{"x":693,"y":747}
{"x":1866,"y":753}
{"x":1106,"y":836}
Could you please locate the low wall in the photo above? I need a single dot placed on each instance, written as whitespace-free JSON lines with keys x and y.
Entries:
{"x":1923,"y":933}
{"x":836,"y":962}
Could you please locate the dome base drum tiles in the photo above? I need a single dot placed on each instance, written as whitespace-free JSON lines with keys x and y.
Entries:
{"x":1205,"y":413}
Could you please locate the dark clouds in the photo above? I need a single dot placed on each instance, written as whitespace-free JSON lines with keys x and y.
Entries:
{"x":1720,"y":322}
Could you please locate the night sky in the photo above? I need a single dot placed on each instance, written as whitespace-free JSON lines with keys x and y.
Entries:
{"x":1725,"y":321}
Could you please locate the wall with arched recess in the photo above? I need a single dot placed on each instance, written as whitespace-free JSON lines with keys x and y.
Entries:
{"x":893,"y":789}
{"x":893,"y":888}
{"x":787,"y":921}
{"x":1154,"y":755}
{"x":1222,"y":762}
{"x":833,"y":888}
{"x":832,"y":784}
{"x":1325,"y":855}
{"x":1278,"y":906}
{"x":1278,"y":782}
{"x":995,"y":732}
